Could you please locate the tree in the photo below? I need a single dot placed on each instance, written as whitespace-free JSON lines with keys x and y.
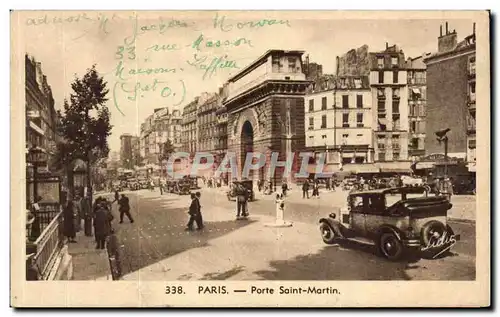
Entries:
{"x":85,"y":122}
{"x":167,"y":149}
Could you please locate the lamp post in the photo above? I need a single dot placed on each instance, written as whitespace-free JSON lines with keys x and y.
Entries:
{"x":442,"y":137}
{"x":37,"y":157}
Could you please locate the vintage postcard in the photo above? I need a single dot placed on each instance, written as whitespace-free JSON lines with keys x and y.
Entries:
{"x":250,"y":159}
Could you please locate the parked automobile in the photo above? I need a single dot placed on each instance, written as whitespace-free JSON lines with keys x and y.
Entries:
{"x":396,"y":223}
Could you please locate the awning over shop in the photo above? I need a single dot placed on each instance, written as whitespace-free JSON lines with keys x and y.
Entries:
{"x":416,"y":91}
{"x":360,"y":168}
{"x":396,"y":170}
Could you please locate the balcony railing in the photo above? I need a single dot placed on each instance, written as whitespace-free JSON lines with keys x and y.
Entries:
{"x":47,"y":246}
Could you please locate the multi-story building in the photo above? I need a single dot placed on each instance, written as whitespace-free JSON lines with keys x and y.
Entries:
{"x":159,"y":127}
{"x":451,"y":96}
{"x":339,"y":121}
{"x":417,"y":101}
{"x":126,"y":151}
{"x":189,"y":136}
{"x":207,"y":122}
{"x":40,"y":112}
{"x":388,"y":81}
{"x":312,"y":70}
{"x":265,"y":107}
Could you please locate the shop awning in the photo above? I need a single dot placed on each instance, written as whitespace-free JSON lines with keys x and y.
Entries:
{"x":416,"y":91}
{"x":396,"y":170}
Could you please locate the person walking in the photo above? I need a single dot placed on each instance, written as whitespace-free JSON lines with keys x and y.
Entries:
{"x":78,"y":214}
{"x":194,"y":214}
{"x":102,"y":224}
{"x":69,"y":219}
{"x":117,"y":196}
{"x":124,"y":208}
{"x":35,"y":225}
{"x":86,"y":212}
{"x":305,"y":189}
{"x":199,"y":216}
{"x":284,"y":188}
{"x":315,"y":192}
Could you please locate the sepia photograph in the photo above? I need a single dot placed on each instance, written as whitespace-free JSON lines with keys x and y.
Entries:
{"x":264,"y":155}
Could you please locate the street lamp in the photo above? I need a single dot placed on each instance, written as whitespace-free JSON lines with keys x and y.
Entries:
{"x":37,"y":157}
{"x":442,"y":137}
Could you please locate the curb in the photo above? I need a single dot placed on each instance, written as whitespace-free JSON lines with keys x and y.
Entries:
{"x":469,"y":221}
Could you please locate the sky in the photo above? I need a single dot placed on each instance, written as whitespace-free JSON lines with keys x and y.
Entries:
{"x":159,"y":59}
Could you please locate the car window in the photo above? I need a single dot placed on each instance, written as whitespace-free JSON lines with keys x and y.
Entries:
{"x":357,"y":202}
{"x":376,"y":204}
{"x":391,"y":199}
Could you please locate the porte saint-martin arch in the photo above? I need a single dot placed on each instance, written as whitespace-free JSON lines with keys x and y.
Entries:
{"x":265,"y":107}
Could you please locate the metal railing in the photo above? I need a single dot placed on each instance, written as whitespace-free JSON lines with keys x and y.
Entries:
{"x":48,"y":245}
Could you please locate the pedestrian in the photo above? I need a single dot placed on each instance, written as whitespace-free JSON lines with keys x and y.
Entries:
{"x":200,"y":216}
{"x":328,"y":184}
{"x":305,"y":189}
{"x":35,"y":225}
{"x":315,"y":192}
{"x":86,"y":211}
{"x":194,"y":211}
{"x":284,"y":188}
{"x":69,"y":219}
{"x":117,"y":196}
{"x":78,"y":214}
{"x":241,"y":196}
{"x":124,"y":208}
{"x":102,"y":224}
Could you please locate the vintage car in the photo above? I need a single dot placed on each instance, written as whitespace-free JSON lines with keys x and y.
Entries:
{"x":246,"y":184}
{"x":397,"y":223}
{"x":180,"y":187}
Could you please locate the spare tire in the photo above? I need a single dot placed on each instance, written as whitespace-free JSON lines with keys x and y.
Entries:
{"x":432,"y":229}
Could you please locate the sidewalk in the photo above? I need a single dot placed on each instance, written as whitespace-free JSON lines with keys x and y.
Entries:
{"x":88,"y":262}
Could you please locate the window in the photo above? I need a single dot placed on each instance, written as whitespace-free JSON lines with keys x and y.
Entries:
{"x":395,"y":156}
{"x":359,"y":160}
{"x":394,"y":61}
{"x":396,"y":123}
{"x":323,"y":122}
{"x":359,"y":101}
{"x":311,"y":105}
{"x":381,"y":156}
{"x":413,"y":127}
{"x":276,"y":63}
{"x":323,"y":103}
{"x":381,"y":142}
{"x":311,"y":123}
{"x":345,"y":136}
{"x":345,"y":101}
{"x":345,"y":120}
{"x":395,"y":106}
{"x":359,"y":120}
{"x":311,"y":137}
{"x":472,"y":66}
{"x":472,"y":144}
{"x":395,"y":76}
{"x":323,"y":136}
{"x":395,"y":93}
{"x":380,"y":62}
{"x":380,"y":76}
{"x":413,"y":143}
{"x":395,"y":142}
{"x":357,"y":82}
{"x":472,"y":89}
{"x":381,"y":93}
{"x":292,"y":66}
{"x":381,"y":106}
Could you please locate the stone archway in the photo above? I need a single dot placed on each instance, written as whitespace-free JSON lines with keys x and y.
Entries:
{"x":246,"y":143}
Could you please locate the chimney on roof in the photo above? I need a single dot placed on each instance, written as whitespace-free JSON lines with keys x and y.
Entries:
{"x":446,"y":28}
{"x":440,"y":30}
{"x":386,"y":45}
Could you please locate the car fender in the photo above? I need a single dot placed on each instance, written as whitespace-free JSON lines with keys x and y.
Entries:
{"x":390,"y":229}
{"x":336,"y":226}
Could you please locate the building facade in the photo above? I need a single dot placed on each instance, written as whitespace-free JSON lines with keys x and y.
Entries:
{"x":451,"y":94}
{"x":126,"y":151}
{"x":189,"y":131}
{"x":388,"y":81}
{"x":159,"y":127}
{"x":417,"y":104}
{"x":339,"y":121}
{"x":41,"y":115}
{"x":207,"y":122}
{"x":265,"y":107}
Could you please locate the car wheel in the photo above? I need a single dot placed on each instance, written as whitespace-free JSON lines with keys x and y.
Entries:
{"x":327,"y":233}
{"x":432,"y":229}
{"x":390,"y":246}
